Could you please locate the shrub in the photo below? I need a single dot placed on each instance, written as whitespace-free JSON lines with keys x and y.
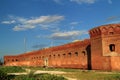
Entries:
{"x":12,"y":69}
{"x":3,"y":75}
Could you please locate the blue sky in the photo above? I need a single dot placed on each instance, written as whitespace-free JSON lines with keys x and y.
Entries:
{"x":39,"y":24}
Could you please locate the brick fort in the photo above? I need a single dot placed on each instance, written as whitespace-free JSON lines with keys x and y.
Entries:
{"x":100,"y":52}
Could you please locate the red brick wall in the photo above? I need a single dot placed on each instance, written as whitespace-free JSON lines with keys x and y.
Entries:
{"x":101,"y":39}
{"x":72,"y":55}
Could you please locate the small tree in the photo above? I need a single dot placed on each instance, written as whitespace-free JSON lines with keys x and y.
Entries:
{"x":3,"y":75}
{"x":1,"y":62}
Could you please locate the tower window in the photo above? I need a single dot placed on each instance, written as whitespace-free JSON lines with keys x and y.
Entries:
{"x":112,"y":47}
{"x":84,"y":53}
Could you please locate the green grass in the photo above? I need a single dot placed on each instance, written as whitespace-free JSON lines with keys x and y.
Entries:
{"x":39,"y":77}
{"x":12,"y":69}
{"x":53,"y":69}
{"x":93,"y":75}
{"x":70,"y":73}
{"x":29,"y":76}
{"x":83,"y":74}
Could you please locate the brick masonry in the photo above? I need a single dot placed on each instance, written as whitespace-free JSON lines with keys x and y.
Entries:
{"x":100,"y":52}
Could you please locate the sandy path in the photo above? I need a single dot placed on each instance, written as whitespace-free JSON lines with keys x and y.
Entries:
{"x":40,"y":72}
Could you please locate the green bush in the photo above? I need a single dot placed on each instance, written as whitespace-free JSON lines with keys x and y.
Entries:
{"x":12,"y":69}
{"x":3,"y":75}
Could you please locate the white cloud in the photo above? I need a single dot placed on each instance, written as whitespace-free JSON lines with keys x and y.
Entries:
{"x":44,"y":22}
{"x":45,"y":19}
{"x":57,"y":1}
{"x":113,"y":22}
{"x":8,"y":22}
{"x":110,"y":1}
{"x":23,"y":27}
{"x":112,"y":18}
{"x":74,"y":23}
{"x":84,"y":1}
{"x":67,"y":35}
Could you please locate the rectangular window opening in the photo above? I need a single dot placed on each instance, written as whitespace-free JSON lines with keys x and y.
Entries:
{"x":112,"y":47}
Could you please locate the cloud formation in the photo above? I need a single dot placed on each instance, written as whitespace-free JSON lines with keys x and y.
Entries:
{"x":57,"y":1}
{"x":45,"y":19}
{"x":67,"y":35}
{"x":110,"y":1}
{"x":81,"y":1}
{"x":74,"y":23}
{"x":77,"y":1}
{"x":112,"y":18}
{"x":23,"y":27}
{"x":8,"y":22}
{"x":84,"y":1}
{"x":43,"y":22}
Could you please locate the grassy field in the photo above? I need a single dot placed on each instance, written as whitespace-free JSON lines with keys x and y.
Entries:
{"x":90,"y":75}
{"x":29,"y":76}
{"x":76,"y":74}
{"x":84,"y":74}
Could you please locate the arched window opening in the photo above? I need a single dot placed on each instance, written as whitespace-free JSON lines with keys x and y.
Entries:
{"x":84,"y":53}
{"x":16,"y":59}
{"x":12,"y":60}
{"x":111,"y":33}
{"x":49,"y":56}
{"x":39,"y":57}
{"x":76,"y":53}
{"x":54,"y":55}
{"x":69,"y":54}
{"x":58,"y":55}
{"x":112,"y":47}
{"x":64,"y":55}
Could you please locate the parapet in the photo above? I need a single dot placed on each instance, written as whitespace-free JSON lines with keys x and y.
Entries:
{"x":104,"y":30}
{"x":72,"y":45}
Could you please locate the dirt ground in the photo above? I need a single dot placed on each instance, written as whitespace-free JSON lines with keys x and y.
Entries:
{"x":40,"y":72}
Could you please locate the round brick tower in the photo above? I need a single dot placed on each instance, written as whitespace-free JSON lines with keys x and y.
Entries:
{"x":105,"y":46}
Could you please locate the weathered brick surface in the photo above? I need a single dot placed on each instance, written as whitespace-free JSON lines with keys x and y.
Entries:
{"x":101,"y":39}
{"x":100,"y":52}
